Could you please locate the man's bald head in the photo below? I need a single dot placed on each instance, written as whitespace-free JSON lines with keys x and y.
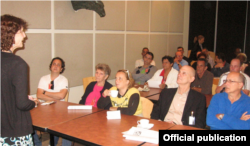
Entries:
{"x":235,"y":65}
{"x":235,"y":82}
{"x":186,"y":75}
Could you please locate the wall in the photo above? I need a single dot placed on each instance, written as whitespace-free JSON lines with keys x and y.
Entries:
{"x":84,"y":39}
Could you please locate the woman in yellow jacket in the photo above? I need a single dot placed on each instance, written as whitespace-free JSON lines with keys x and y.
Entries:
{"x":127,"y":99}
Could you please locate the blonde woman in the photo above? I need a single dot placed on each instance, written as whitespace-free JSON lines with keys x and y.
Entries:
{"x":128,"y":98}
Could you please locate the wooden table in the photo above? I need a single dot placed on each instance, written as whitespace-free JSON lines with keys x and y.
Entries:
{"x":44,"y":116}
{"x":183,"y":127}
{"x":151,"y":92}
{"x":97,"y":129}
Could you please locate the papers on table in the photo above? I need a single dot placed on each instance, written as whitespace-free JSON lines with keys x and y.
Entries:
{"x":154,"y":84}
{"x":114,"y":114}
{"x":80,"y":107}
{"x":145,"y":88}
{"x":140,"y":134}
{"x":48,"y":102}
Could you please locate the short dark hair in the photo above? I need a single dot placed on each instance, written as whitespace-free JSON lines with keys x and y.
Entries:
{"x":10,"y":25}
{"x":150,"y":53}
{"x":169,"y":58}
{"x":63,"y":63}
{"x":202,"y":59}
{"x":221,"y":56}
{"x":202,"y":54}
{"x":180,"y":47}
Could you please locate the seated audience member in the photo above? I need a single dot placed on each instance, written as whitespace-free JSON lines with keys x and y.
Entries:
{"x":166,"y":77}
{"x":203,"y":79}
{"x":176,"y":105}
{"x":243,"y":60}
{"x":230,"y":110}
{"x":181,"y":49}
{"x":128,"y":98}
{"x":221,"y":66}
{"x":204,"y":56}
{"x":143,"y":73}
{"x":140,"y":62}
{"x":234,"y":67}
{"x":179,"y":61}
{"x":54,"y":86}
{"x":210,"y":60}
{"x":95,"y":89}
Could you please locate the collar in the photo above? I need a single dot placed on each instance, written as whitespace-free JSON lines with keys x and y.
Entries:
{"x":120,"y":96}
{"x":162,"y":72}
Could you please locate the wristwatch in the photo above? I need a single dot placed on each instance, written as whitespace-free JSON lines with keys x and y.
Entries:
{"x":221,"y":116}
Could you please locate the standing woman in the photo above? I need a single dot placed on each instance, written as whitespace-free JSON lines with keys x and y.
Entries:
{"x":95,"y":89}
{"x":16,"y":124}
{"x":128,"y":98}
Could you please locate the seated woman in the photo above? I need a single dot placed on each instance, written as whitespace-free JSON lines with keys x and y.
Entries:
{"x":95,"y":89}
{"x":128,"y":98}
{"x":166,"y":77}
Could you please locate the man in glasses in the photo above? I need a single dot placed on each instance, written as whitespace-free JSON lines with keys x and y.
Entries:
{"x":230,"y":110}
{"x":235,"y":66}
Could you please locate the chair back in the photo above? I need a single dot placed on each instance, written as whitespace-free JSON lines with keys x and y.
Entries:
{"x":86,"y":81}
{"x":66,"y":97}
{"x":212,"y":54}
{"x":215,"y":84}
{"x":189,"y":52}
{"x":192,"y":62}
{"x":147,"y":107}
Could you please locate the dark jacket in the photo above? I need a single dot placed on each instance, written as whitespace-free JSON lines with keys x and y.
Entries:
{"x":196,"y":102}
{"x":90,"y":88}
{"x":15,"y":104}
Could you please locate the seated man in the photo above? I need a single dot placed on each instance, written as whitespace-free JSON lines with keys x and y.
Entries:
{"x":140,"y":62}
{"x":203,"y":79}
{"x":230,"y":110}
{"x":179,"y":61}
{"x":53,"y":86}
{"x":176,"y":105}
{"x":234,"y":67}
{"x":143,"y":73}
{"x":166,"y":77}
{"x":204,"y":56}
{"x":181,"y":49}
{"x":221,"y":66}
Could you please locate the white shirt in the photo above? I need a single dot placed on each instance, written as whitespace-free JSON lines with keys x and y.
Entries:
{"x":155,"y":81}
{"x":247,"y":80}
{"x":60,"y":83}
{"x":140,"y":62}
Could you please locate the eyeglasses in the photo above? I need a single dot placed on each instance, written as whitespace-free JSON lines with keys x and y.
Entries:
{"x":51,"y":85}
{"x":230,"y":81}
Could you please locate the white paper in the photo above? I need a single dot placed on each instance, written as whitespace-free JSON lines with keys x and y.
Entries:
{"x":114,"y":114}
{"x":80,"y":107}
{"x":154,"y":84}
{"x":140,"y":134}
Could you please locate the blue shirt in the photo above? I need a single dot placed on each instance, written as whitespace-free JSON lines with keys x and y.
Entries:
{"x":183,"y":62}
{"x":220,"y":104}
